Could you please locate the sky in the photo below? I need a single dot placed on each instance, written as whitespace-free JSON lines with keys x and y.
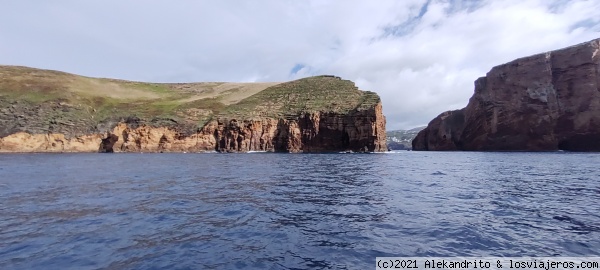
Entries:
{"x":420,"y":56}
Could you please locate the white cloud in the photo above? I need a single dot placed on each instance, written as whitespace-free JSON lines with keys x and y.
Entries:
{"x":420,"y":56}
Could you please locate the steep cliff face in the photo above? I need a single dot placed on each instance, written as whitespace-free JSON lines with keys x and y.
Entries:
{"x":319,"y":114}
{"x":544,"y":102}
{"x":51,"y":142}
{"x":442,"y":133}
{"x":362,"y":131}
{"x":359,"y":131}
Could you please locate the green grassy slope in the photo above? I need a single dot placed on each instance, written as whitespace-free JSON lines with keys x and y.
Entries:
{"x":39,"y":100}
{"x":320,"y":93}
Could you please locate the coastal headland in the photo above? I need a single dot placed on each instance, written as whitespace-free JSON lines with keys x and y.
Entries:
{"x":52,"y":111}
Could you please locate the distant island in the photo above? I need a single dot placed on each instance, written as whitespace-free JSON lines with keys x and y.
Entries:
{"x":401,"y":139}
{"x":544,"y":102}
{"x":52,"y":111}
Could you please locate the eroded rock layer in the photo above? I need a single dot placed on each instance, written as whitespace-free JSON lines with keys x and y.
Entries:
{"x":361,"y":131}
{"x":544,"y":102}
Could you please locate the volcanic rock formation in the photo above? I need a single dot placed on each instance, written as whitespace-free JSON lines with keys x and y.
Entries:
{"x":544,"y":102}
{"x":49,"y":111}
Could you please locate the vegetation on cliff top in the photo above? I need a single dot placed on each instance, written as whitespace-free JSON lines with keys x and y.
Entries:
{"x":51,"y":100}
{"x":320,"y":93}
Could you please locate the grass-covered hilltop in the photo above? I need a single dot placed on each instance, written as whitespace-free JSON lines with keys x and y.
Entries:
{"x":44,"y":102}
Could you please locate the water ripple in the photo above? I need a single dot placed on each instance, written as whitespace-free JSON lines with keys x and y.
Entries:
{"x":277,"y":211}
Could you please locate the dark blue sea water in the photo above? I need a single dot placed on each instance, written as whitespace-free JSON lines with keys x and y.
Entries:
{"x":292,"y":211}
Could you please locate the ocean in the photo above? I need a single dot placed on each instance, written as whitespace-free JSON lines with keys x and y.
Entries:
{"x":292,"y":211}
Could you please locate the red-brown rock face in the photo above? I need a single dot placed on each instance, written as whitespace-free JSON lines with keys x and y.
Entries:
{"x":310,"y":132}
{"x":544,"y":102}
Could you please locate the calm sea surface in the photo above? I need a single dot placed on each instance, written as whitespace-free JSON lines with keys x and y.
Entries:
{"x":292,"y":211}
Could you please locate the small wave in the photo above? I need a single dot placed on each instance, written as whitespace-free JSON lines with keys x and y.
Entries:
{"x":577,"y":225}
{"x":391,"y":152}
{"x":568,"y":219}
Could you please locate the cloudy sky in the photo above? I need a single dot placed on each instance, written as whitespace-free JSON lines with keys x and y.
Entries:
{"x":421,"y":56}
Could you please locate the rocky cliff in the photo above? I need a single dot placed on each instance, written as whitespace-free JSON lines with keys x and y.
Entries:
{"x":544,"y":102}
{"x":49,"y":111}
